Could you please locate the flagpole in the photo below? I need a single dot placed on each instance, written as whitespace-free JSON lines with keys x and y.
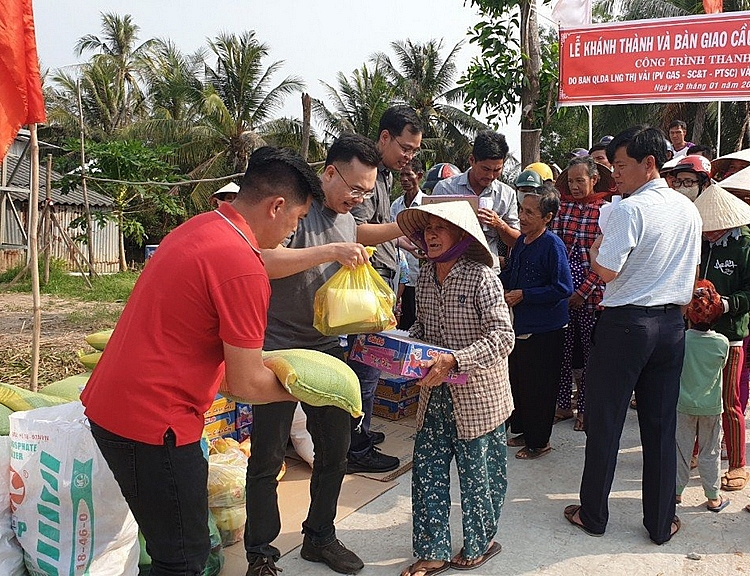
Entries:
{"x":34,"y":259}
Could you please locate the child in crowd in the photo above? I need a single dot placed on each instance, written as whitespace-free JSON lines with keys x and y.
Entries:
{"x":699,"y":404}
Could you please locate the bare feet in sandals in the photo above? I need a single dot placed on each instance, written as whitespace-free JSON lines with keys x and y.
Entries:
{"x":459,"y":562}
{"x":426,"y":568}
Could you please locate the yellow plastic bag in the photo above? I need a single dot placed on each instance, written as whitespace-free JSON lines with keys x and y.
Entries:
{"x":354,"y":301}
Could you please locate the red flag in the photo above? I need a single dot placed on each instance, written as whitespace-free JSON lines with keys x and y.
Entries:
{"x":21,"y":99}
{"x":713,"y":6}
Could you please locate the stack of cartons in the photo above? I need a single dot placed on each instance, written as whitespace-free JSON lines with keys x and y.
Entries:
{"x":220,"y":419}
{"x":243,"y":421}
{"x":395,"y":397}
{"x":400,"y":360}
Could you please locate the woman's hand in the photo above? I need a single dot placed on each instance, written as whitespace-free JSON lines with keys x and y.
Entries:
{"x":576,"y":301}
{"x":439,"y":369}
{"x":513,"y":297}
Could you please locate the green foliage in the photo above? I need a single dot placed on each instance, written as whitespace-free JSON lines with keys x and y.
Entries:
{"x":133,"y":161}
{"x":105,"y":288}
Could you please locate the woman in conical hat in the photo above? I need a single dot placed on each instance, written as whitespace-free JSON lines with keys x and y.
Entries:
{"x":460,"y":306}
{"x":725,"y":261}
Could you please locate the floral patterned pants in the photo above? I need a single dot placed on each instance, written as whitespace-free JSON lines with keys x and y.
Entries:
{"x":481,"y":464}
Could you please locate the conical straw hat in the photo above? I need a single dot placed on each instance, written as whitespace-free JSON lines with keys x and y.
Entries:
{"x":739,"y":181}
{"x":458,"y":212}
{"x":720,"y":164}
{"x":721,"y":210}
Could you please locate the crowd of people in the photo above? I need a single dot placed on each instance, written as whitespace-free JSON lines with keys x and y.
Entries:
{"x":560,"y":297}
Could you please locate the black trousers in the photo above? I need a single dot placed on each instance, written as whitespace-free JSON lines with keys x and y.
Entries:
{"x":165,"y":487}
{"x":534,"y":369}
{"x":330,"y":432}
{"x":408,"y":308}
{"x":641,"y":350}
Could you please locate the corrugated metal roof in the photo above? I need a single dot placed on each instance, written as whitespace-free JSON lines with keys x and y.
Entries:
{"x":22,"y":178}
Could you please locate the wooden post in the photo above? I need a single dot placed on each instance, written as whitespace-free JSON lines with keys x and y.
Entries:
{"x":46,"y":221}
{"x":34,"y":259}
{"x":306,"y":113}
{"x":89,"y":223}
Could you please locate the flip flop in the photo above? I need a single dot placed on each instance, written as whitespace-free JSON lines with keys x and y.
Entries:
{"x":493,"y":550}
{"x":562,"y":415}
{"x":517,"y":441}
{"x":720,"y":507}
{"x":736,"y":481}
{"x":570,"y":512}
{"x":527,"y":453}
{"x":579,"y":425}
{"x":674,"y":529}
{"x":428,"y":571}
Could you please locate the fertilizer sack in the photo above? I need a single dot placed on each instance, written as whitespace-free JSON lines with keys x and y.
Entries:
{"x":11,"y":554}
{"x":69,"y":514}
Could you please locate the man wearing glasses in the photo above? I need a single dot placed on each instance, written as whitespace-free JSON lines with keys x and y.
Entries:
{"x":322,"y":242}
{"x":498,"y":211}
{"x":399,"y":139}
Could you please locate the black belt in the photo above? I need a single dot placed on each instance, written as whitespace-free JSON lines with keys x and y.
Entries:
{"x":385,"y":273}
{"x":663,"y":307}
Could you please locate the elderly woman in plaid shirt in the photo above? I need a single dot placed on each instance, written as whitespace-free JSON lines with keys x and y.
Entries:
{"x":460,"y":306}
{"x":584,"y":186}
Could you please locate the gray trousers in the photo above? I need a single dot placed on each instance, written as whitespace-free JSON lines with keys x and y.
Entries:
{"x":707,"y":429}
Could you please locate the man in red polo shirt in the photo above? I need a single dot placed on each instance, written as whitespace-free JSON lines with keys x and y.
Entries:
{"x":197,"y":315}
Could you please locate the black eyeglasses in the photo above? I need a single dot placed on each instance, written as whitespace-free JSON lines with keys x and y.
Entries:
{"x":354,"y":192}
{"x":407,"y":150}
{"x":684,"y":182}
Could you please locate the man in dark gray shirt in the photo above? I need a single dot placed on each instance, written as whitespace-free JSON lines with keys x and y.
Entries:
{"x":324,"y":240}
{"x":399,"y":139}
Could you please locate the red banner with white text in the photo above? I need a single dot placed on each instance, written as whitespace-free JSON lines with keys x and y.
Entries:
{"x":705,"y":57}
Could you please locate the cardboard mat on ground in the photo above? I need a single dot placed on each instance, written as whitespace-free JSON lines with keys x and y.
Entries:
{"x":294,"y":501}
{"x":399,"y":442}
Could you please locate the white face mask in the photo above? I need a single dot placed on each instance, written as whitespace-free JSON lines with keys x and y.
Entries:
{"x":691,"y":192}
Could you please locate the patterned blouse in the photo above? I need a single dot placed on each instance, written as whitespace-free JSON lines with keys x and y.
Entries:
{"x":577,"y":225}
{"x":468,"y":314}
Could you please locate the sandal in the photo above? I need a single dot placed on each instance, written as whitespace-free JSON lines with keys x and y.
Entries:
{"x":674,"y":529}
{"x":570,"y":513}
{"x":723,"y":503}
{"x":579,"y":425}
{"x":561,"y":414}
{"x":527,"y":453}
{"x":493,"y":550}
{"x":734,"y":479}
{"x":517,"y":441}
{"x":419,"y":568}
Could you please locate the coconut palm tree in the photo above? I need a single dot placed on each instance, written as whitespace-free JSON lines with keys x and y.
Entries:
{"x":426,"y":80}
{"x":173,"y":81}
{"x":117,"y":52}
{"x":358,"y":103}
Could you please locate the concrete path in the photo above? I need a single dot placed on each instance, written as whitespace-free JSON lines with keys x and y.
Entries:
{"x":537,"y":539}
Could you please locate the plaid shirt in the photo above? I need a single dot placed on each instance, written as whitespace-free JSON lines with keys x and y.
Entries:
{"x":468,"y":314}
{"x":577,"y":224}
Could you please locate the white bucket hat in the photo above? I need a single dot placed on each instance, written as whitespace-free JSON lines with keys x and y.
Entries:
{"x":460,"y":213}
{"x":231,"y":188}
{"x":721,"y":210}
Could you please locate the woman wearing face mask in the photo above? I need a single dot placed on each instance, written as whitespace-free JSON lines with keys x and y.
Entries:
{"x":691,"y":176}
{"x":725,"y":261}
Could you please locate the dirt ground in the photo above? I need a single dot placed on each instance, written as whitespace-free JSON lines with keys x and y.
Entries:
{"x":65,"y":323}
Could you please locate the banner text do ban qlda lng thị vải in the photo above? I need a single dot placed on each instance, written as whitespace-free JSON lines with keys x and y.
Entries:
{"x":705,"y":57}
